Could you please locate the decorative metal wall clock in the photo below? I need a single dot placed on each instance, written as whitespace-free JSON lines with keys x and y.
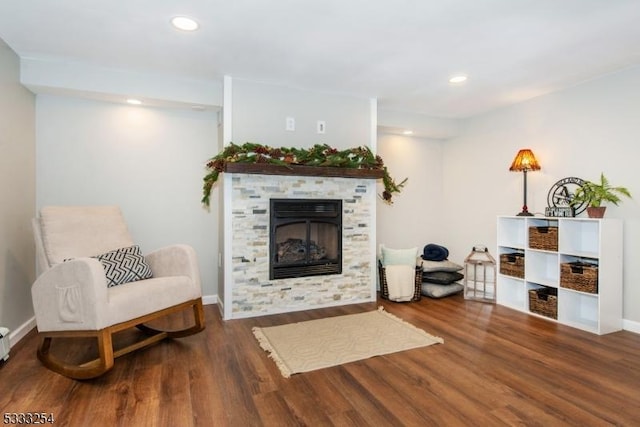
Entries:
{"x":559,"y":198}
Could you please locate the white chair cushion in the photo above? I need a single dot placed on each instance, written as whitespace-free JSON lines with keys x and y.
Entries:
{"x":80,"y":231}
{"x":136,"y":299}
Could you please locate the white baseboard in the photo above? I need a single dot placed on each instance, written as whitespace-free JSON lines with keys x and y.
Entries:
{"x":22,"y":331}
{"x":631,"y":326}
{"x":209,"y":299}
{"x":25,"y":328}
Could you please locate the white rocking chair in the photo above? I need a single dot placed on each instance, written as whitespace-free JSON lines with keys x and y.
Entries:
{"x":72,"y":297}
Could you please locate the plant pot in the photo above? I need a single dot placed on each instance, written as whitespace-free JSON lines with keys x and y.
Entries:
{"x":596,"y":212}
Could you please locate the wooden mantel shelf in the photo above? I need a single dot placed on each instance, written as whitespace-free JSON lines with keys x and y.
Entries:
{"x":301,"y":170}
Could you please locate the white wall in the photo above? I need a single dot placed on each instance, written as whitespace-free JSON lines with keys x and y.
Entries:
{"x":396,"y":122}
{"x":260,"y":111}
{"x":455,"y":190}
{"x":149,"y":161}
{"x":17,"y":195}
{"x":84,"y":80}
{"x":582,"y":131}
{"x":416,"y":217}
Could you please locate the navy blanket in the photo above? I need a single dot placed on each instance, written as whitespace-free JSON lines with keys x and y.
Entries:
{"x":433,"y":252}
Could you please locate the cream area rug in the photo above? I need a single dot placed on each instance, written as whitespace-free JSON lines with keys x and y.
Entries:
{"x":316,"y":344}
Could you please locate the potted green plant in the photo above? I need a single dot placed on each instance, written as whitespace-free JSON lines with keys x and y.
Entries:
{"x":595,"y":194}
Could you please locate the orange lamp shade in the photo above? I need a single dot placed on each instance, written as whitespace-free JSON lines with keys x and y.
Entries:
{"x":525,"y":161}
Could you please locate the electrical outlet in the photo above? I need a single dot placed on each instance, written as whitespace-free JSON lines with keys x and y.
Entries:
{"x":290,"y":124}
{"x":321,"y":126}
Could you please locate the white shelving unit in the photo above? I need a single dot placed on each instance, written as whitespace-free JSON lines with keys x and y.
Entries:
{"x":598,"y":241}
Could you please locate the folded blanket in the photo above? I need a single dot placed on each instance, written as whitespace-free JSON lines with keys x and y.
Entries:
{"x":433,"y":252}
{"x":400,"y":282}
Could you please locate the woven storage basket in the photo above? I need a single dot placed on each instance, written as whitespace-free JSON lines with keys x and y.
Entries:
{"x":384,"y":286}
{"x":545,"y":238}
{"x":579,"y":276}
{"x":512,"y":264}
{"x":544,"y":301}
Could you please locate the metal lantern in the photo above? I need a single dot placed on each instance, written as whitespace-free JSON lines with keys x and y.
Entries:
{"x":480,"y":275}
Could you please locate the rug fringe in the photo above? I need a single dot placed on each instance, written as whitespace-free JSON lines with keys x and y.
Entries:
{"x":418,"y":330}
{"x":265,"y":344}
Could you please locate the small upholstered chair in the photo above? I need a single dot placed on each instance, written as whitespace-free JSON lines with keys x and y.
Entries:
{"x":94,"y":282}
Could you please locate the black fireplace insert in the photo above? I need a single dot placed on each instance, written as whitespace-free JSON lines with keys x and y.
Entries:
{"x":305,"y":237}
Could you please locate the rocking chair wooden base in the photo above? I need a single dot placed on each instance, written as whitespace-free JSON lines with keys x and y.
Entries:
{"x":105,"y":361}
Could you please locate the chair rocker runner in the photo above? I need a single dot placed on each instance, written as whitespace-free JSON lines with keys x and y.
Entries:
{"x":94,"y":283}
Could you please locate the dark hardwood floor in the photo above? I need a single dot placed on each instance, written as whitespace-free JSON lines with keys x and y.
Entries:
{"x":496,"y":367}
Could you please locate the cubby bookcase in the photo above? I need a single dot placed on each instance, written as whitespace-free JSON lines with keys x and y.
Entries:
{"x":593,"y":241}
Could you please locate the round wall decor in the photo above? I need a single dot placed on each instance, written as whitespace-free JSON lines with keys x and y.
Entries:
{"x":560,"y":195}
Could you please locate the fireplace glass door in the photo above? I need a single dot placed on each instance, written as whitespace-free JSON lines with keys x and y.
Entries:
{"x":305,"y":237}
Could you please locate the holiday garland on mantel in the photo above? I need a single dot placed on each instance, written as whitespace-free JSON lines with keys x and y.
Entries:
{"x":319,"y":155}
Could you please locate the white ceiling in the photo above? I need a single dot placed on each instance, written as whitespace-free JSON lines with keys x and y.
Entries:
{"x":399,"y":51}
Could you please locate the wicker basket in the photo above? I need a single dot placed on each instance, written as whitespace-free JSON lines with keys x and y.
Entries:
{"x":545,"y":238}
{"x":384,"y":286}
{"x":512,"y":264}
{"x":579,"y":276}
{"x":544,"y":301}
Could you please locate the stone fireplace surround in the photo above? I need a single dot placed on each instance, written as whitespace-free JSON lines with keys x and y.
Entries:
{"x":248,"y":292}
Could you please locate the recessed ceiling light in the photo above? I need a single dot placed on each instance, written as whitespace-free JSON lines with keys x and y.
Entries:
{"x":407,"y":132}
{"x":133,"y":101}
{"x":184,"y":23}
{"x":458,"y":78}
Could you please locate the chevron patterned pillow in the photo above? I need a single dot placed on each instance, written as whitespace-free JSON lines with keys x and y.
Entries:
{"x":124,"y":265}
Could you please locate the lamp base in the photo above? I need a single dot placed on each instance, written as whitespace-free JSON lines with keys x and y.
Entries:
{"x":524,"y":213}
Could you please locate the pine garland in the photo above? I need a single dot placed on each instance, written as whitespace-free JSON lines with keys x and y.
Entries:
{"x":318,"y":155}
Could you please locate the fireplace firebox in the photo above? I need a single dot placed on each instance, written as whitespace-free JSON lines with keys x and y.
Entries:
{"x":305,"y":237}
